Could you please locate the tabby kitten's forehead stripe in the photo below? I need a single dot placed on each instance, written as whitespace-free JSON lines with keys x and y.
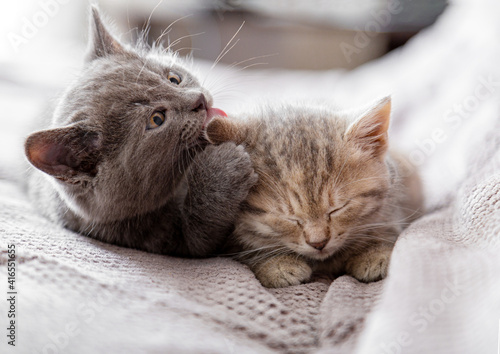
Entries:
{"x":374,"y":193}
{"x":300,"y":161}
{"x":295,"y":201}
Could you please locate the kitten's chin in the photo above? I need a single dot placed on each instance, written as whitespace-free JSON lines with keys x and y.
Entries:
{"x":320,"y":255}
{"x":316,"y":254}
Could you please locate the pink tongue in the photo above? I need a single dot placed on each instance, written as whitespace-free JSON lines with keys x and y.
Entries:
{"x":212,"y":112}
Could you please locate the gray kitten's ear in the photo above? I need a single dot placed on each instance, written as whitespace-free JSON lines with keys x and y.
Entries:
{"x":101,"y":42}
{"x":369,"y":131}
{"x":223,"y":129}
{"x":70,"y":154}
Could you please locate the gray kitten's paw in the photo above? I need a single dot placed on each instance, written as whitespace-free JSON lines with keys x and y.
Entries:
{"x":217,"y":182}
{"x":232,"y":167}
{"x":282,"y":271}
{"x":371,"y":265}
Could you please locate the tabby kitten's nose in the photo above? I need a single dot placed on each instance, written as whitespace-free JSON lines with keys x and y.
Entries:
{"x":200,"y":104}
{"x":318,"y":245}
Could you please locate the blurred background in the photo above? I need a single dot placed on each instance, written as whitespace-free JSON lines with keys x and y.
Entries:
{"x":43,"y":42}
{"x":293,"y":34}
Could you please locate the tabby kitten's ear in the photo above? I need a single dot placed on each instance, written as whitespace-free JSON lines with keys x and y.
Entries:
{"x":69,"y":154}
{"x":101,"y":42}
{"x":223,"y":129}
{"x":369,"y":131}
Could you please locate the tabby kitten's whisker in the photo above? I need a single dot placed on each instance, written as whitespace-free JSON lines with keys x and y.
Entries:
{"x":247,"y":252}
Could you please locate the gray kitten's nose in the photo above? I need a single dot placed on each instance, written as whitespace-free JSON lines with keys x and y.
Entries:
{"x":200,"y":104}
{"x":318,"y":245}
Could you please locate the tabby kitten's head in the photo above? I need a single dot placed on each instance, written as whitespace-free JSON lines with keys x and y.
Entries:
{"x":322,"y":176}
{"x":124,"y":132}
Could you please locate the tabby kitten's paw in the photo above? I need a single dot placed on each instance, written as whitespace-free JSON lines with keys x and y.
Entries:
{"x":371,"y":265}
{"x":282,"y":271}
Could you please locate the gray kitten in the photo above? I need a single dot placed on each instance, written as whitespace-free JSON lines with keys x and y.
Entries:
{"x":125,"y":161}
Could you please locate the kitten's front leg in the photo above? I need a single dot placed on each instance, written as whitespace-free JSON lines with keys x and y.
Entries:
{"x":282,"y":270}
{"x":371,"y":265}
{"x":217,"y":182}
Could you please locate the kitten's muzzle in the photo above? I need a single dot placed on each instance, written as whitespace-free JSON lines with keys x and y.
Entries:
{"x":318,"y":245}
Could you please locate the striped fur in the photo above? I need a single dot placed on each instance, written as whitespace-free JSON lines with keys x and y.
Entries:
{"x":324,"y":176}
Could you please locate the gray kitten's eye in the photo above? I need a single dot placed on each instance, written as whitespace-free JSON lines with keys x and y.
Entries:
{"x":156,"y":119}
{"x":174,"y":78}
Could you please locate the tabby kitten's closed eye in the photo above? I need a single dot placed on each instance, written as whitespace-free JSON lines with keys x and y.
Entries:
{"x":125,"y":160}
{"x":330,"y":196}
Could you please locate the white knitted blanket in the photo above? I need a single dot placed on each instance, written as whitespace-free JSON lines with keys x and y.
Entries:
{"x":442,"y":295}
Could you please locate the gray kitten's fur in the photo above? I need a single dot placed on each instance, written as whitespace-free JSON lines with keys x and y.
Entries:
{"x":112,"y":171}
{"x":330,"y":196}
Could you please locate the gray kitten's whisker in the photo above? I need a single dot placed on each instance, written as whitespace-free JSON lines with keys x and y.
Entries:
{"x":223,"y":54}
{"x":235,"y":64}
{"x":225,"y":50}
{"x":148,"y":22}
{"x":178,"y":40}
{"x":154,"y":88}
{"x":169,"y":28}
{"x":250,"y":66}
{"x":191,"y":49}
{"x":142,"y":68}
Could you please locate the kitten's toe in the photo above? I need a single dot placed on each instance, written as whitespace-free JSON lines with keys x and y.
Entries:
{"x":253,"y":178}
{"x":243,"y":171}
{"x":284,"y":274}
{"x":230,"y":165}
{"x":371,"y":266}
{"x":294,"y":274}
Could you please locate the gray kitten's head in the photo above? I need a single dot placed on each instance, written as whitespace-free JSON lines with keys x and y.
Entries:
{"x":124,"y":132}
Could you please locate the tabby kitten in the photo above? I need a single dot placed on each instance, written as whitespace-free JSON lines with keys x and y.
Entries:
{"x":329,"y":197}
{"x":125,"y":161}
